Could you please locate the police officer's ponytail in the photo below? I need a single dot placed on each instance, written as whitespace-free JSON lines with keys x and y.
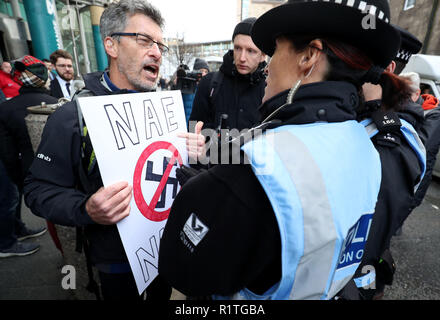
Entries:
{"x":395,"y":90}
{"x":347,"y":62}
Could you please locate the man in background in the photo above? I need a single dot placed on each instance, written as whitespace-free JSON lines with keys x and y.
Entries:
{"x":7,"y":85}
{"x":61,"y":85}
{"x":235,"y":92}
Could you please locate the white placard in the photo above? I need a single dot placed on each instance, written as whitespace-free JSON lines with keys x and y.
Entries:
{"x":134,"y":139}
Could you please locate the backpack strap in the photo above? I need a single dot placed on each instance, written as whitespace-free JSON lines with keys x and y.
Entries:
{"x":88,"y":158}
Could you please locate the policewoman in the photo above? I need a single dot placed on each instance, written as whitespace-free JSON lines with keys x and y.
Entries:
{"x":395,"y":134}
{"x":291,"y":222}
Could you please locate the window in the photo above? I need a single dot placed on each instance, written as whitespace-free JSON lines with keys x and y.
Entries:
{"x":409,"y":4}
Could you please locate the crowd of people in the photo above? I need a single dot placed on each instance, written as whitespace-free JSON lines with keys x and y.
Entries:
{"x":352,"y":143}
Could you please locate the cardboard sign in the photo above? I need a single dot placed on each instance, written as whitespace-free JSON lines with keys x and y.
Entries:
{"x":134,"y":139}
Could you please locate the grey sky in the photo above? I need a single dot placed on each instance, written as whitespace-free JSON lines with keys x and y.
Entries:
{"x":198,"y":20}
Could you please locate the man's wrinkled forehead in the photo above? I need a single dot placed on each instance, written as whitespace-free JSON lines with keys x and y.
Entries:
{"x":140,"y":23}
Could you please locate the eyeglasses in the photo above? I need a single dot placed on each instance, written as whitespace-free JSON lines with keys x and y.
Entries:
{"x":143,"y":40}
{"x":62,"y":66}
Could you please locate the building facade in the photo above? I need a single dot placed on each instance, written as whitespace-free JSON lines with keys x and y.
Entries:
{"x":422,"y":19}
{"x":39,"y":27}
{"x":255,"y":8}
{"x":15,"y":39}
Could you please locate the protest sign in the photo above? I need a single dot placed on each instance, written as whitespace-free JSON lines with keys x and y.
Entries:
{"x":134,"y":139}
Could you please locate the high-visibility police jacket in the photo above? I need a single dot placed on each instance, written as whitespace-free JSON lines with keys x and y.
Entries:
{"x":233,"y":227}
{"x":322,"y":180}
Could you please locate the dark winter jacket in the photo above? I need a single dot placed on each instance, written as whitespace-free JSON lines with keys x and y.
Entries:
{"x":247,"y":250}
{"x":53,"y":189}
{"x":238,"y":96}
{"x":431,"y":132}
{"x":15,"y":145}
{"x":413,"y":113}
{"x":55,"y":89}
{"x":401,"y":172}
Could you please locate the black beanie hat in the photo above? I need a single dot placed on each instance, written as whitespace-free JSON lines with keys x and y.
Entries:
{"x":244,"y":27}
{"x":200,"y":64}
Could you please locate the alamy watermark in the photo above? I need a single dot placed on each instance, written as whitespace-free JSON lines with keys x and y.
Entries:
{"x":68,"y":282}
{"x":369,"y":21}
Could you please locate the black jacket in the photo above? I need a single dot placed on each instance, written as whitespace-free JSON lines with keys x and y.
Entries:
{"x":413,"y":113}
{"x":242,"y":247}
{"x":431,"y":130}
{"x":15,"y":145}
{"x":55,"y":89}
{"x":401,"y":171}
{"x":238,"y":96}
{"x":53,"y":189}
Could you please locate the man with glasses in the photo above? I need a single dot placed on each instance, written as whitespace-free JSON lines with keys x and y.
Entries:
{"x":61,"y":85}
{"x":67,"y":189}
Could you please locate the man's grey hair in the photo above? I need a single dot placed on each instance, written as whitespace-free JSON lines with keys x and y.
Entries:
{"x":114,"y":18}
{"x":415,"y":80}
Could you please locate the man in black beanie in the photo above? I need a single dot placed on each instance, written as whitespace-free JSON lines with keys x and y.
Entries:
{"x":229,"y":98}
{"x":201,"y":66}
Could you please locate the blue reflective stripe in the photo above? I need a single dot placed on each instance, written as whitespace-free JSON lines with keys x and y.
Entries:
{"x":410,"y":135}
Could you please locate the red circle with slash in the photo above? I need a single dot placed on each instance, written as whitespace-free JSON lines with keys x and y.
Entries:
{"x":148,"y":210}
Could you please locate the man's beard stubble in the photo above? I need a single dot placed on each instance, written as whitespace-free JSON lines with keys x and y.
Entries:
{"x":136,"y":82}
{"x":64,"y":78}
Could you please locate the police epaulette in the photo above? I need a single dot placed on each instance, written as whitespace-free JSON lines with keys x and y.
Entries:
{"x":386,"y":121}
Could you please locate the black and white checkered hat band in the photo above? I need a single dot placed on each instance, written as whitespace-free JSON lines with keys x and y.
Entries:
{"x":403,"y":55}
{"x":362,"y":6}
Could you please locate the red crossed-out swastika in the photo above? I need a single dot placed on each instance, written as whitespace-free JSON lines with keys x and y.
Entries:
{"x":148,"y":210}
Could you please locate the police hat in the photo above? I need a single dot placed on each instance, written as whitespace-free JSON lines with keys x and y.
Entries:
{"x":365,"y":24}
{"x":410,"y":45}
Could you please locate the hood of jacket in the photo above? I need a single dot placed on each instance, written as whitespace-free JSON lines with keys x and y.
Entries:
{"x":93,"y":83}
{"x":229,"y":69}
{"x":412,"y":112}
{"x":327,"y":101}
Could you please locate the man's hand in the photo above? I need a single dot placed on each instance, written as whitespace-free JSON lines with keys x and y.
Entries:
{"x":195,"y":142}
{"x":110,"y":205}
{"x":372,"y":91}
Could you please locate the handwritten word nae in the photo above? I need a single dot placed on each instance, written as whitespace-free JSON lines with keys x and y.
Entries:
{"x":156,"y":120}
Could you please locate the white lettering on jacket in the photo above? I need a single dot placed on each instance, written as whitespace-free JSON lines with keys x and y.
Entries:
{"x":43,"y":157}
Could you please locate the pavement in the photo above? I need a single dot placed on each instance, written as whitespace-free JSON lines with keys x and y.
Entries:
{"x":39,"y":276}
{"x":417,"y":252}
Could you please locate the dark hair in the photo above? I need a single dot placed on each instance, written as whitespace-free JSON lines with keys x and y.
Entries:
{"x":59,"y":54}
{"x":347,"y":63}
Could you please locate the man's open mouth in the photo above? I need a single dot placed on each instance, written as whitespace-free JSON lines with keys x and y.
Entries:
{"x":152,"y":70}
